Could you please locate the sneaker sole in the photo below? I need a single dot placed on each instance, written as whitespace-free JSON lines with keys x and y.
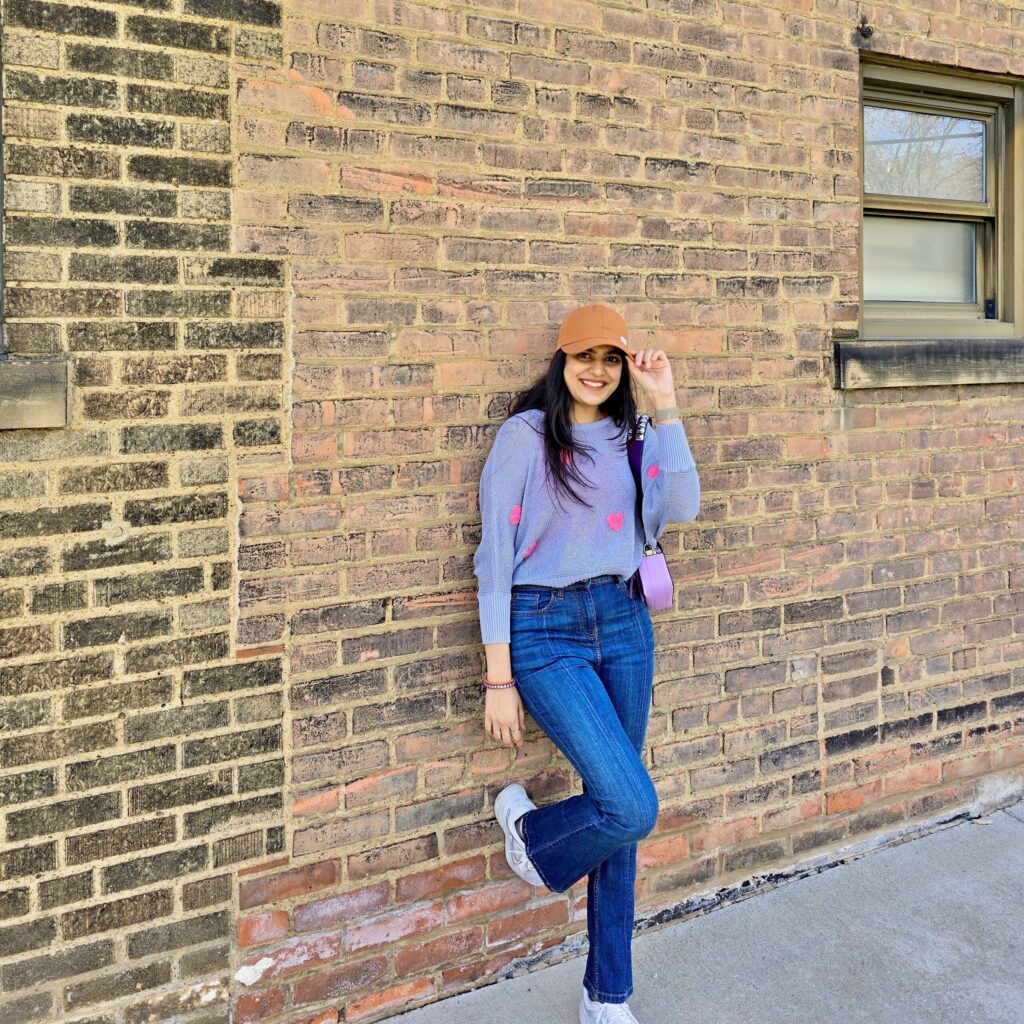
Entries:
{"x":500,"y":804}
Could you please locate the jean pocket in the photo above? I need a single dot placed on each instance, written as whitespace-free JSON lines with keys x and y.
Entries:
{"x":532,"y":600}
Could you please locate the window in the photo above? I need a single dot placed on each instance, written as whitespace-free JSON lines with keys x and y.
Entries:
{"x":941,"y":251}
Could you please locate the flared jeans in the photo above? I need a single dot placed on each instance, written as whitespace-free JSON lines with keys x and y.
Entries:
{"x":583,"y":656}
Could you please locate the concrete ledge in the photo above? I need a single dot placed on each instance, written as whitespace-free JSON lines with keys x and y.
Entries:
{"x":33,"y":393}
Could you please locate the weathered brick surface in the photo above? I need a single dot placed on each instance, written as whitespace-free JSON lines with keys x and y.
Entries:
{"x":299,"y":255}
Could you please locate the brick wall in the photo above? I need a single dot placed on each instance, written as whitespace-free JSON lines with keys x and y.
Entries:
{"x":299,"y":260}
{"x":142,"y":733}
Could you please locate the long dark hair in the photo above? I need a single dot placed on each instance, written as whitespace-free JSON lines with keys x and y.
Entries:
{"x":549,"y":393}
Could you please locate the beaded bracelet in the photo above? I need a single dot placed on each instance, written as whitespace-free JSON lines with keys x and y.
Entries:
{"x":488,"y":685}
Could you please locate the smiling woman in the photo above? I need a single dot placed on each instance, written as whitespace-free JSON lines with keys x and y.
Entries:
{"x":563,"y":533}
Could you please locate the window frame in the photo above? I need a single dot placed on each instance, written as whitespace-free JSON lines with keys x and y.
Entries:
{"x":954,"y":92}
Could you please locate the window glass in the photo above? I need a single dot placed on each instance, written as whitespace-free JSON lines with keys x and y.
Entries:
{"x":912,"y":259}
{"x":907,"y":153}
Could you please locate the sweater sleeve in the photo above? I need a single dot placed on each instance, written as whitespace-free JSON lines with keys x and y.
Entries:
{"x":669,"y":479}
{"x":502,"y":486}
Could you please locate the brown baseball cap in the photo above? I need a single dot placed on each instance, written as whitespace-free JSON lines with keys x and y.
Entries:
{"x":592,"y":325}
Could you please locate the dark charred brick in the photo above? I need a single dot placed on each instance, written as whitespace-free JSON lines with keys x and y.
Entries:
{"x":111,"y":405}
{"x":266,"y":775}
{"x":61,"y":161}
{"x":102,"y":845}
{"x":187,"y":509}
{"x":252,"y":433}
{"x":24,"y":562}
{"x":177,"y":721}
{"x":179,"y":170}
{"x":31,"y":935}
{"x":252,"y":12}
{"x":853,"y":740}
{"x":47,"y":746}
{"x":19,"y":715}
{"x":124,"y":63}
{"x":116,"y":629}
{"x":56,"y":675}
{"x":905,"y":727}
{"x":186,"y":437}
{"x":57,"y":892}
{"x":126,"y":336}
{"x":148,"y":586}
{"x":120,"y":914}
{"x":962,"y":713}
{"x":120,"y":131}
{"x":47,"y":17}
{"x":71,"y":302}
{"x":137,"y":269}
{"x":38,"y":1006}
{"x":148,"y":202}
{"x":65,"y":92}
{"x":124,"y":476}
{"x":813,"y":611}
{"x":13,"y":903}
{"x":17,"y":789}
{"x":58,"y":597}
{"x":264,"y":334}
{"x":99,"y":554}
{"x":144,"y":693}
{"x":144,"y":234}
{"x":61,"y":231}
{"x":108,"y":988}
{"x":231,"y":746}
{"x":179,"y":934}
{"x":410,"y":709}
{"x":63,"y":815}
{"x":178,"y":303}
{"x":229,"y":678}
{"x":206,"y":891}
{"x":191,"y":789}
{"x":201,"y":823}
{"x":52,"y":966}
{"x":27,"y":860}
{"x":235,"y":270}
{"x":181,"y":35}
{"x":177,"y":653}
{"x":152,"y":99}
{"x":136,"y":873}
{"x":109,"y":771}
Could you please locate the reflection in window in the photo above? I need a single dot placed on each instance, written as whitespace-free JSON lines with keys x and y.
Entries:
{"x":907,"y":153}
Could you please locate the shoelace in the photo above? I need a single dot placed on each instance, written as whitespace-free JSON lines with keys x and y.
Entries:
{"x":617,"y":1013}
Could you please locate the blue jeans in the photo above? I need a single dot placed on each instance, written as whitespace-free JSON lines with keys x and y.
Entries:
{"x":584,"y":659}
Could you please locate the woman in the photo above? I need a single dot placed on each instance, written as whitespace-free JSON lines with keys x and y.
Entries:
{"x":566,"y":632}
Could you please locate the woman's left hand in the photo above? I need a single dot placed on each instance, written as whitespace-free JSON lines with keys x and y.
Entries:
{"x":651,"y":370}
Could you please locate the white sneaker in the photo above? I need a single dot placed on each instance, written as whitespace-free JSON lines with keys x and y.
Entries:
{"x":511,"y":803}
{"x":592,"y":1012}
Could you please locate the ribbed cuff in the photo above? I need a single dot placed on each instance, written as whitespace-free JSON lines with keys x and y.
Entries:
{"x":674,"y":455}
{"x":495,"y":618}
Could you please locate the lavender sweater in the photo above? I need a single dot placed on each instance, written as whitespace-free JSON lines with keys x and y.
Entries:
{"x":529,"y":536}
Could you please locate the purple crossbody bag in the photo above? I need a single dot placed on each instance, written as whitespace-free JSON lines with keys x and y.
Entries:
{"x":653,"y":577}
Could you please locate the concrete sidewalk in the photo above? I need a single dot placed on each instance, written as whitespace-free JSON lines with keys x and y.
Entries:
{"x":930,"y":931}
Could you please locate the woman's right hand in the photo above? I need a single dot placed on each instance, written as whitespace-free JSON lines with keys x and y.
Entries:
{"x":503,"y":716}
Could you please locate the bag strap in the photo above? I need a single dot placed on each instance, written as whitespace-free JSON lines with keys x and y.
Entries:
{"x":635,"y":451}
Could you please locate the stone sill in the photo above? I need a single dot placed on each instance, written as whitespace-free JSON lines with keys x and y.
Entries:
{"x":915,"y":362}
{"x":33,"y":393}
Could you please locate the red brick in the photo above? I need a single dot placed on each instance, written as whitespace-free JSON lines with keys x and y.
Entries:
{"x":259,"y":1005}
{"x":393,"y":927}
{"x":527,"y":922}
{"x":423,"y":955}
{"x":284,"y":886}
{"x":438,"y":881}
{"x":340,"y":909}
{"x":338,"y":981}
{"x":262,"y":928}
{"x":389,"y":998}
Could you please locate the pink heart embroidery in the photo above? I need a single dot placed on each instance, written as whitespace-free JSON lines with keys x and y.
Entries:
{"x":653,"y":471}
{"x":530,"y":550}
{"x":615,"y":521}
{"x":517,"y":514}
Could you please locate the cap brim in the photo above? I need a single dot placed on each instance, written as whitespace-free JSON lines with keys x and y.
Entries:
{"x":582,"y":344}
